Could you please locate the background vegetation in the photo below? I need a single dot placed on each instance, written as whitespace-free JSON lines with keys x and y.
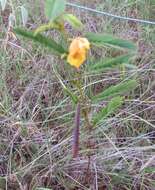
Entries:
{"x":37,"y":117}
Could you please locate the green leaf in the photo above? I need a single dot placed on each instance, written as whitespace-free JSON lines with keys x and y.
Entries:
{"x":47,"y":42}
{"x":73,"y":21}
{"x":46,"y":27}
{"x":24,"y":14}
{"x":118,"y":89}
{"x":109,"y":63}
{"x":112,"y":106}
{"x":54,"y":8}
{"x":43,"y":28}
{"x":107,"y":40}
{"x":115,"y":103}
{"x":3,"y":4}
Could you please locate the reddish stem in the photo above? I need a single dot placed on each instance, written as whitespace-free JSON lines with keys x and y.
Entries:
{"x":76,"y":133}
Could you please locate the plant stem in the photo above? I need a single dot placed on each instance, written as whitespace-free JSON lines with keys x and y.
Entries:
{"x":75,"y":147}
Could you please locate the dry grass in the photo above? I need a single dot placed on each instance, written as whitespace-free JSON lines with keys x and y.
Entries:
{"x":36,"y":117}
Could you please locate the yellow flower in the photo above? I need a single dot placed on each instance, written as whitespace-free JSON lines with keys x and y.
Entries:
{"x":77,"y":51}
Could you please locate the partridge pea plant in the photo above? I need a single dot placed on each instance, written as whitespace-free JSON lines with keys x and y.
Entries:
{"x":77,"y":55}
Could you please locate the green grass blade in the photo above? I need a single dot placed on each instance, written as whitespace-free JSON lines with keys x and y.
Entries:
{"x":73,"y":97}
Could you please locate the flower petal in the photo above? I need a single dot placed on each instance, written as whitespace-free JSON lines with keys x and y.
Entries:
{"x":77,"y":51}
